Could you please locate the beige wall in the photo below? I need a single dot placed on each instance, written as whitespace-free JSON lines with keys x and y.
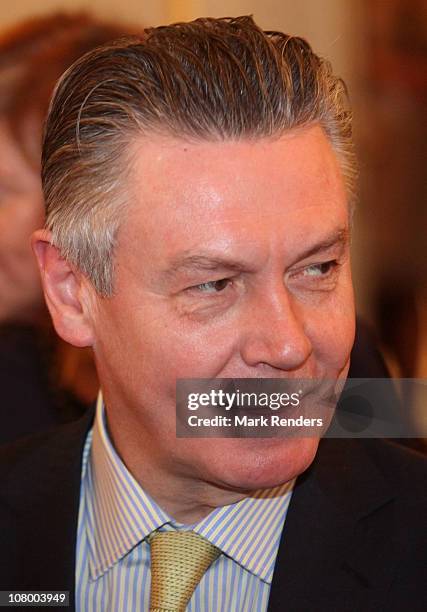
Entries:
{"x":133,"y":11}
{"x":328,"y":24}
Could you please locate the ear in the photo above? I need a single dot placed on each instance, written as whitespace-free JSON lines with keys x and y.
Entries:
{"x":66,"y":292}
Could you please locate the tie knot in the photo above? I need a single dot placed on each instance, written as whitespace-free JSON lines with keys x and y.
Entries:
{"x":178,"y":561}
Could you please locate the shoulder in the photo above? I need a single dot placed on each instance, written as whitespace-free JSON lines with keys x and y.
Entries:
{"x":403,"y":468}
{"x":40,"y":479}
{"x":43,"y":456}
{"x":405,"y":471}
{"x":395,"y":459}
{"x":396,"y":464}
{"x":362,"y":506}
{"x":369,"y":473}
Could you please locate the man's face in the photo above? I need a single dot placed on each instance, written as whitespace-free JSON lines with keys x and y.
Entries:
{"x":233,"y":261}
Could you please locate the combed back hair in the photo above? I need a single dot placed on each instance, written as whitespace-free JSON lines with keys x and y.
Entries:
{"x":210,"y":79}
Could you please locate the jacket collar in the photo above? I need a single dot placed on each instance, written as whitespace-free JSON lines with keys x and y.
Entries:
{"x":338,"y":532}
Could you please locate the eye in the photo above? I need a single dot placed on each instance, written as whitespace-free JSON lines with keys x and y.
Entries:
{"x":212,"y":286}
{"x":321,"y":270}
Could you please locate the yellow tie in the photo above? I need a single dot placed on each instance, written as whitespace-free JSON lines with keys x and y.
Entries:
{"x":178,"y":561}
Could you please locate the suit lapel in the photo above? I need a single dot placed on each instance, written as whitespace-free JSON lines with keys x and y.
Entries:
{"x":39,"y":554}
{"x":337,"y":550}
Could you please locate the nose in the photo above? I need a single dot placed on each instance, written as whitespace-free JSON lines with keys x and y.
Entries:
{"x":274,"y":333}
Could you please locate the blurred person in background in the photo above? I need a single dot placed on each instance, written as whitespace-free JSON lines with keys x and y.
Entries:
{"x":43,"y":380}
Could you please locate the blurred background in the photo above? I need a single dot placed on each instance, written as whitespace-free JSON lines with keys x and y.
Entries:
{"x":379,"y":47}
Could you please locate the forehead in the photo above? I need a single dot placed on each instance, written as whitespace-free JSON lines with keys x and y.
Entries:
{"x":202,"y":192}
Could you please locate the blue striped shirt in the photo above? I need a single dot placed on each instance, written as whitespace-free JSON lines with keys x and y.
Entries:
{"x":116,"y":516}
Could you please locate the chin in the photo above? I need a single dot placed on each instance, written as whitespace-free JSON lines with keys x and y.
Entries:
{"x":263,"y":463}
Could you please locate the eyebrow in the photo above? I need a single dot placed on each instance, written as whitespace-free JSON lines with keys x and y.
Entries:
{"x":207,"y":261}
{"x":338,"y":238}
{"x":203,"y":261}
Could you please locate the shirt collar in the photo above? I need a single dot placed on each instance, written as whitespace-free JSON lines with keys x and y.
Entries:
{"x":120,"y":514}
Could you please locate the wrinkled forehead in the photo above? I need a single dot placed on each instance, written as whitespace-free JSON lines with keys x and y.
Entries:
{"x":234,"y":194}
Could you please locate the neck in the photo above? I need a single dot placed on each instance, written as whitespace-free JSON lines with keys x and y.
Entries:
{"x":184,"y":497}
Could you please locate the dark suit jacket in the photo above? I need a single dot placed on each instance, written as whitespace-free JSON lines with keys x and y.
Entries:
{"x":354,"y":538}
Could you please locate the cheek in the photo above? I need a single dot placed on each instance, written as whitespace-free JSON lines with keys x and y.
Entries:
{"x":186,"y":352}
{"x":151,"y":347}
{"x":332,"y":330}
